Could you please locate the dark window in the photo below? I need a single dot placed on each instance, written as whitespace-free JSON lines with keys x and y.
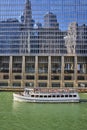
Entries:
{"x":49,"y":96}
{"x":41,"y":96}
{"x":42,"y":84}
{"x":67,"y":77}
{"x":55,"y":84}
{"x":6,"y":77}
{"x":45,"y":96}
{"x":36,"y":95}
{"x":18,"y":77}
{"x":55,"y":77}
{"x":42,"y":77}
{"x":70,"y":95}
{"x":3,"y":84}
{"x":74,"y":95}
{"x":16,"y":84}
{"x":66,"y":95}
{"x":30,"y":77}
{"x":68,"y":84}
{"x":4,"y":68}
{"x":58,"y":95}
{"x":80,"y":78}
{"x":32,"y":95}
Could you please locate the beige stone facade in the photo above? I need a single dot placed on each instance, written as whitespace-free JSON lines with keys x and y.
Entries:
{"x":43,"y":71}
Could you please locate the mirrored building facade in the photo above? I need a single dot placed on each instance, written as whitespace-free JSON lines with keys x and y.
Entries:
{"x":43,"y":43}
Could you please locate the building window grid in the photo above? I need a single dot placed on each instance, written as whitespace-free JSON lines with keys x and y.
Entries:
{"x":53,"y":33}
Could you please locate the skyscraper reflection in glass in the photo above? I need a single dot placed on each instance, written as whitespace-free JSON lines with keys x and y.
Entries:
{"x":43,"y":26}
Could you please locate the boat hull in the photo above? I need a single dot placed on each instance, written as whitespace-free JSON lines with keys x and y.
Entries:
{"x":21,"y":98}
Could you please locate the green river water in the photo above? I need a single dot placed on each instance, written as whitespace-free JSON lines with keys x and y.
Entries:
{"x":31,"y":116}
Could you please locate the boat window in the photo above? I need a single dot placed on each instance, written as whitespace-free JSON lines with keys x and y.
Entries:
{"x":49,"y":96}
{"x":66,"y":95}
{"x":36,"y":95}
{"x":45,"y":96}
{"x":62,"y":95}
{"x":58,"y":95}
{"x":70,"y":95}
{"x":74,"y":95}
{"x":32,"y":95}
{"x":41,"y":96}
{"x":54,"y":95}
{"x":27,"y":92}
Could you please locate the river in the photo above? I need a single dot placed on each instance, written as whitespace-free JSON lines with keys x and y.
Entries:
{"x":31,"y":116}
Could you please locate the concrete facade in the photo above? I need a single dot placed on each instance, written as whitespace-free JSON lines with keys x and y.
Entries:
{"x":43,"y":71}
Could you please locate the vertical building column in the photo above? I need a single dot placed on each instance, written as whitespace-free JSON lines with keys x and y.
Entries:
{"x":10,"y":71}
{"x":23,"y":72}
{"x":36,"y":72}
{"x":75,"y":72}
{"x":49,"y":71}
{"x":62,"y":71}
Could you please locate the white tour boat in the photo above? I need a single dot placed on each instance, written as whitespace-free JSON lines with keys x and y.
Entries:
{"x":47,"y":95}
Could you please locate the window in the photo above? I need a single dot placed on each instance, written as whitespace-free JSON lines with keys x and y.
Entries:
{"x":42,"y":84}
{"x":49,"y":96}
{"x":70,"y":95}
{"x":66,"y":95}
{"x":67,"y":78}
{"x":82,"y":84}
{"x":6,"y":77}
{"x":74,"y":95}
{"x":55,"y":77}
{"x":18,"y":77}
{"x":62,"y":95}
{"x":68,"y":84}
{"x":55,"y":84}
{"x":3,"y":84}
{"x":41,"y":96}
{"x":81,"y":78}
{"x":42,"y":78}
{"x":16,"y":84}
{"x":29,"y":84}
{"x":30,"y":77}
{"x":32,"y":95}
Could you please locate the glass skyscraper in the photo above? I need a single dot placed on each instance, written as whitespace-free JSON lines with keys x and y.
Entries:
{"x":43,"y":43}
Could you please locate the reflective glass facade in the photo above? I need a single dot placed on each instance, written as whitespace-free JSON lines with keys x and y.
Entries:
{"x":43,"y":27}
{"x":43,"y":43}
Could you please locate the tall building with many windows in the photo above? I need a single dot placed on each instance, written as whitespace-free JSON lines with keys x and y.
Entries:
{"x":43,"y":43}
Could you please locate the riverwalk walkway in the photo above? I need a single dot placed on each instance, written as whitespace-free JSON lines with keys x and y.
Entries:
{"x":20,"y":89}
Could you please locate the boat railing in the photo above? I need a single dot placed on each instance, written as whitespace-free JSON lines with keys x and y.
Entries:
{"x":53,"y":90}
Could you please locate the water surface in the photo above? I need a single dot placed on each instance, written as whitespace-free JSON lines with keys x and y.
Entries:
{"x":31,"y":116}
